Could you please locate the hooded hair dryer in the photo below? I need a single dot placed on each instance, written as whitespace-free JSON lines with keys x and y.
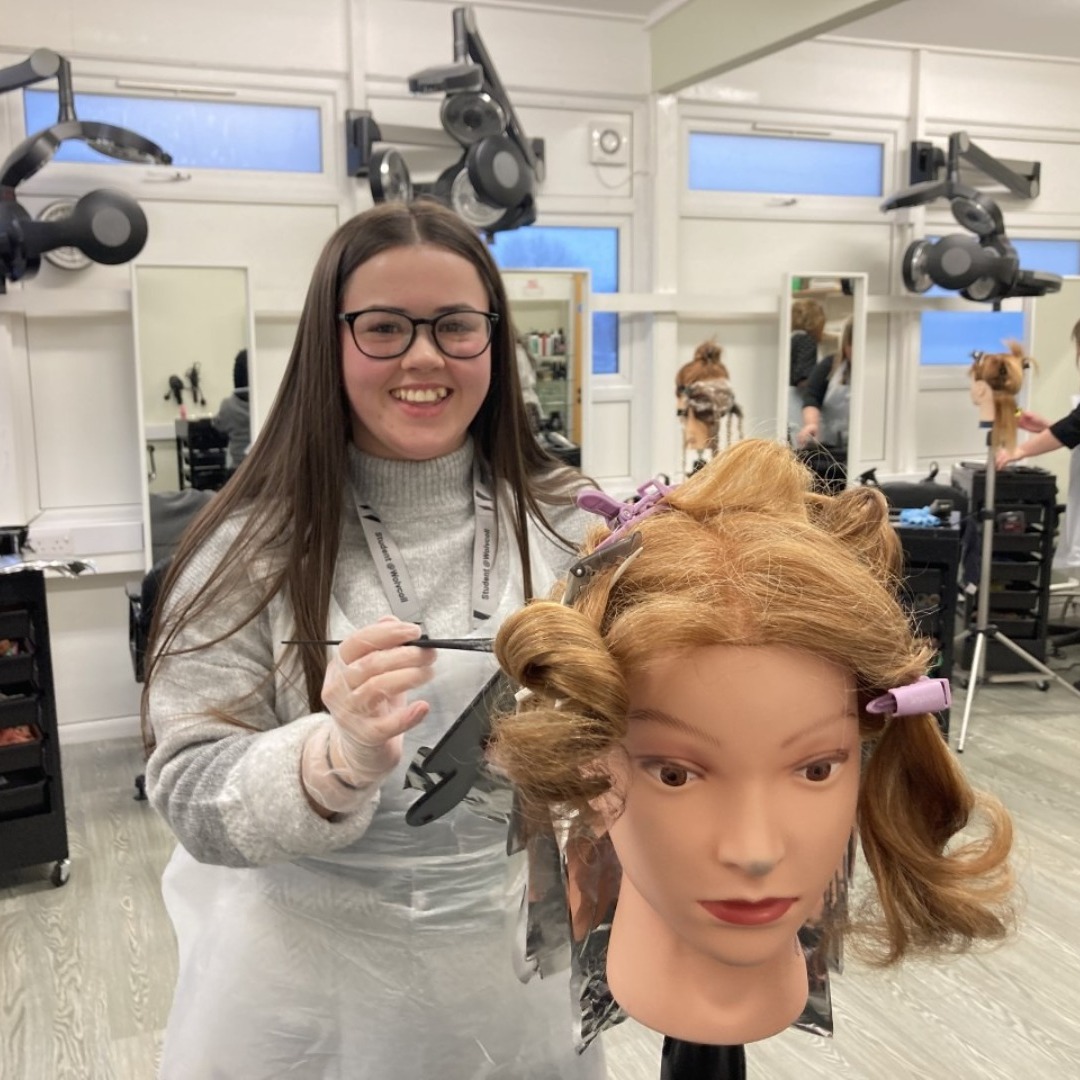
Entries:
{"x":37,"y":150}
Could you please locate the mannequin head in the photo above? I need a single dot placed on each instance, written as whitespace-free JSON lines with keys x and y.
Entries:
{"x":704,"y":397}
{"x":1003,"y":375}
{"x":705,"y":705}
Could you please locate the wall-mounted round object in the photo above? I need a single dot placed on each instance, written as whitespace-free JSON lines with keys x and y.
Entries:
{"x":466,"y":202}
{"x":470,"y":117}
{"x":389,"y":177}
{"x":916,"y":277}
{"x":609,"y":141}
{"x":65,"y":258}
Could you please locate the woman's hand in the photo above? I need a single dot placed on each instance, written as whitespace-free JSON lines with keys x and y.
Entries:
{"x":1030,"y":421}
{"x":807,"y":434}
{"x":1005,"y":456}
{"x":365,"y":692}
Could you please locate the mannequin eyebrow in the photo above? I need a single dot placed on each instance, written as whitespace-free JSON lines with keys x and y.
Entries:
{"x":816,"y":728}
{"x":655,"y":716}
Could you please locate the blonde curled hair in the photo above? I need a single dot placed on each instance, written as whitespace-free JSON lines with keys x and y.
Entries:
{"x":749,"y":554}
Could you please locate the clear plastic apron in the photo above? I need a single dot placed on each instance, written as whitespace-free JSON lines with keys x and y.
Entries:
{"x":391,"y":959}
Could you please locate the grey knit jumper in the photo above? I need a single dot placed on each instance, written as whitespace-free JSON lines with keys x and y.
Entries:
{"x":234,"y":796}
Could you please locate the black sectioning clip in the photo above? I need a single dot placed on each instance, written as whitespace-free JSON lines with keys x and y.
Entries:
{"x":455,"y":766}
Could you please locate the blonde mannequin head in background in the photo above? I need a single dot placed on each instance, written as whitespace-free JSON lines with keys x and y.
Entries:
{"x":753,"y":609}
{"x":997,"y":379}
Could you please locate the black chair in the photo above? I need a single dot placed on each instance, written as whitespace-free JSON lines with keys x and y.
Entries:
{"x":142,"y":599}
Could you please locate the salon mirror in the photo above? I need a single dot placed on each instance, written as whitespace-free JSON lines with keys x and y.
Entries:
{"x":189,"y":322}
{"x":550,"y":311}
{"x":815,"y":308}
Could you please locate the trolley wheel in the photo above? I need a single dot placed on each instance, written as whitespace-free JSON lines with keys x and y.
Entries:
{"x":140,"y":787}
{"x":1043,"y":686}
{"x":61,"y":871}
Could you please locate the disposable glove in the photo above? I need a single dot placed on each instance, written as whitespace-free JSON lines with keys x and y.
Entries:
{"x":360,"y":743}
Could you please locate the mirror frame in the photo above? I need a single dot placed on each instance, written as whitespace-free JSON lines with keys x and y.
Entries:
{"x":860,"y":286}
{"x":579,"y":311}
{"x":135,"y":267}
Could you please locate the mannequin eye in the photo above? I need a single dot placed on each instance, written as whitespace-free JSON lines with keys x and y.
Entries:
{"x":817,"y":772}
{"x":670,"y":774}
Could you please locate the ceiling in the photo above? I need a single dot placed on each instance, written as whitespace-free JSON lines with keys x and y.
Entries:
{"x":1038,"y":27}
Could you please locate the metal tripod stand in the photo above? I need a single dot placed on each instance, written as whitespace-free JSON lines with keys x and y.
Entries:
{"x":983,"y":627}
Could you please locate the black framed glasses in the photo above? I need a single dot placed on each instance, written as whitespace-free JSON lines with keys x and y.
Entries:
{"x":386,"y":335}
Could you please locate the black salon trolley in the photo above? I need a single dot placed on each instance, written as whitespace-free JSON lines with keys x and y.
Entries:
{"x":1025,"y":526}
{"x":33,"y":828}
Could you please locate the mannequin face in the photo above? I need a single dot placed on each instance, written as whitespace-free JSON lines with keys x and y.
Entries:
{"x":417,"y":406}
{"x":740,"y":781}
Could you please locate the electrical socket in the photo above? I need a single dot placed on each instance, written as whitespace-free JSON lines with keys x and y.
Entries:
{"x":51,"y":545}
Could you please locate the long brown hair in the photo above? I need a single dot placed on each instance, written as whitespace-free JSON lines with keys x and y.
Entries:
{"x":289,"y":488}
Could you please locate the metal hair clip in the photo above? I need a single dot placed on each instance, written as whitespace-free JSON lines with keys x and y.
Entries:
{"x":622,"y":516}
{"x":580,"y":574}
{"x":924,"y":696}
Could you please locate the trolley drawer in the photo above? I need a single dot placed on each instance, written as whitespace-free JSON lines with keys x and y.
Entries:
{"x":23,"y":793}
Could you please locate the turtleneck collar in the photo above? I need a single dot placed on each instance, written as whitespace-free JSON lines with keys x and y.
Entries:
{"x":387,"y":484}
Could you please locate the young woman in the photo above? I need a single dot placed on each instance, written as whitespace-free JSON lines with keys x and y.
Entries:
{"x":395,"y":488}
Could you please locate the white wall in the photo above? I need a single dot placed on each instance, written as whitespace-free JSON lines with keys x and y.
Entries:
{"x":69,"y":438}
{"x":1015,"y":108}
{"x":693,"y":264}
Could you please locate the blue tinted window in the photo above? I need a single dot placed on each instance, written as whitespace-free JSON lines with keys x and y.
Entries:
{"x":571,"y":247}
{"x":784,"y":166}
{"x":198,"y":134}
{"x":1054,"y":256}
{"x":950,"y":337}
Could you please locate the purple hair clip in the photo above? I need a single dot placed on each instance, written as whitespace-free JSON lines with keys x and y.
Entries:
{"x":622,"y":516}
{"x":923,"y":696}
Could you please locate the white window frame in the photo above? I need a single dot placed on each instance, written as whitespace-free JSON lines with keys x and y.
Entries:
{"x":210,"y":184}
{"x":794,"y":207}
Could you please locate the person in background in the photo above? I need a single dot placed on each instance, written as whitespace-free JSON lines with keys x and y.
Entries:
{"x":807,"y":328}
{"x":822,"y":441}
{"x":234,"y":414}
{"x":395,"y":490}
{"x":1047,"y":437}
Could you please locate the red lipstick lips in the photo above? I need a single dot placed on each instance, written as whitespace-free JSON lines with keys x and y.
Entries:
{"x":749,"y":913}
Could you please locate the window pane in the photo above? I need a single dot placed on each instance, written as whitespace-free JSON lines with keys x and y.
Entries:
{"x":571,"y":247}
{"x":950,"y":337}
{"x":198,"y":134}
{"x":1053,"y":256}
{"x":784,"y":166}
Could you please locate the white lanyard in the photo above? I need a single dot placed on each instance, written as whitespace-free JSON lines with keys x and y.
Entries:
{"x":394,"y":576}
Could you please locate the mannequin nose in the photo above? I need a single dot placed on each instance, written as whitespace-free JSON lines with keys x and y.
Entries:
{"x":749,"y":837}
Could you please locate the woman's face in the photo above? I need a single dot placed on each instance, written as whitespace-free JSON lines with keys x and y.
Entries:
{"x":419,"y":405}
{"x":741,"y":780}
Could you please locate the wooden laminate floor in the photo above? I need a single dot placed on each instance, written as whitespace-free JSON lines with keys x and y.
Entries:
{"x":86,"y":970}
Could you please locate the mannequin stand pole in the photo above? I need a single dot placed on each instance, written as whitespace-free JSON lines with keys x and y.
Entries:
{"x":983,"y":627}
